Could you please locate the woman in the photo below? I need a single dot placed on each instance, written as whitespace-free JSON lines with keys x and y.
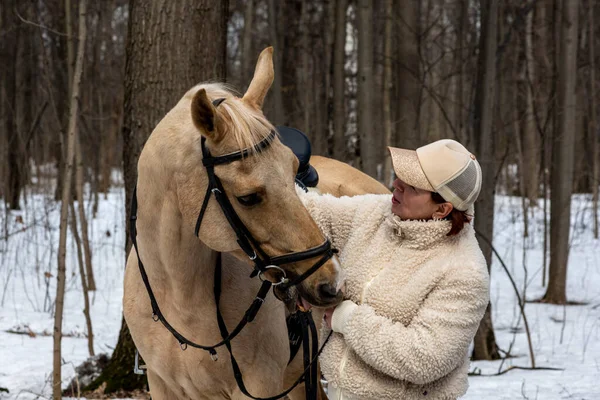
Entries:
{"x":416,"y":282}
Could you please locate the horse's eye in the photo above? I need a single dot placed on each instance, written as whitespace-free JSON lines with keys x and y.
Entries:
{"x":249,"y":200}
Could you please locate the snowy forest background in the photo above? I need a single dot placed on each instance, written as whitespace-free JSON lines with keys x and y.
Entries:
{"x":84,"y":83}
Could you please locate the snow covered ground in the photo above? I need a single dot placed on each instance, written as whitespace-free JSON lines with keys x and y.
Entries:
{"x":563,"y":337}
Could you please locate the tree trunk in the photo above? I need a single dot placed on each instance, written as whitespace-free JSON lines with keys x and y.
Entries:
{"x":563,"y":156}
{"x":581,"y":169}
{"x":84,"y":280}
{"x":164,"y":60}
{"x":248,"y":54}
{"x":322,"y":83}
{"x":339,"y":77}
{"x":593,"y":129}
{"x":59,"y":65}
{"x":524,"y":172}
{"x":408,"y":79}
{"x":25,"y":100}
{"x":485,"y":347}
{"x":509,"y":89}
{"x":87,"y":251}
{"x":531,"y":146}
{"x":291,"y":61}
{"x":429,"y":114}
{"x":305,"y":75}
{"x":64,"y":210}
{"x":388,"y":172}
{"x":277,"y":117}
{"x":370,"y":144}
{"x":461,"y":55}
{"x":69,"y":48}
{"x":14,"y":167}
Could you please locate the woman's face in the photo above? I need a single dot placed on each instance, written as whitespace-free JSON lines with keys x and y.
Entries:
{"x":409,"y":202}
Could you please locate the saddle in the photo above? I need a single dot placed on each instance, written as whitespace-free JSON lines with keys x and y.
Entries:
{"x":298,"y":142}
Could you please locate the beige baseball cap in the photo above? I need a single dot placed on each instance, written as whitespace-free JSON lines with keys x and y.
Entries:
{"x":445,"y":167}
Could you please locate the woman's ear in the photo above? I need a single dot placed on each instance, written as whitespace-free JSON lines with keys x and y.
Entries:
{"x":442,"y":210}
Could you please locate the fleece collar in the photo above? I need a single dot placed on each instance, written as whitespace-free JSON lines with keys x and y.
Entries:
{"x":419,"y":234}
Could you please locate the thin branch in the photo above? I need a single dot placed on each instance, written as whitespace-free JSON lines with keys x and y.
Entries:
{"x":519,"y":18}
{"x":35,"y":124}
{"x":517,"y":367}
{"x":442,"y":109}
{"x":38,"y":25}
{"x":514,"y":285}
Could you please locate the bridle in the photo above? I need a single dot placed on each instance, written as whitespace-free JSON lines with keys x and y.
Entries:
{"x":262,"y":263}
{"x":250,"y":246}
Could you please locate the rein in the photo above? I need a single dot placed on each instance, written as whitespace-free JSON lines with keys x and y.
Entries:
{"x":262,"y":263}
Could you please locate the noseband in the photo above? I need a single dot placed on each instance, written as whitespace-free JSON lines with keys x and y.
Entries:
{"x":262,"y":263}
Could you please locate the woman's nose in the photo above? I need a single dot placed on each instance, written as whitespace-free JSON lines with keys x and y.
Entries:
{"x":398,"y":185}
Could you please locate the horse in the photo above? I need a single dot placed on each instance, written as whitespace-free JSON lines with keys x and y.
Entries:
{"x":179,"y":249}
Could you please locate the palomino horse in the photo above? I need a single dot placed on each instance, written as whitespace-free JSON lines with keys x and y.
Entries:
{"x":172,"y":184}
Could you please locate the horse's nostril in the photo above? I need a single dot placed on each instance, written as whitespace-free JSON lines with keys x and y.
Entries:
{"x":327,"y":291}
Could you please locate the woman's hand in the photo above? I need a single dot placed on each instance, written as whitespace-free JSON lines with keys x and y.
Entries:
{"x":327,"y":317}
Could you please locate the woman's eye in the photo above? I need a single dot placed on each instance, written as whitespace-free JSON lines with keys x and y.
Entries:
{"x":249,"y":200}
{"x":413,"y":188}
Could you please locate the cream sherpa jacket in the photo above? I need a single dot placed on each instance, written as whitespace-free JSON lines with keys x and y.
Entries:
{"x":415,"y":298}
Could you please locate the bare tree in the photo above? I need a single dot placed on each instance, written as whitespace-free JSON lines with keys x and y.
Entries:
{"x":248,"y":55}
{"x":593,"y":128}
{"x":277,"y":116}
{"x":305,"y":75}
{"x":339,"y":77}
{"x":369,"y":140}
{"x":12,"y":54}
{"x":68,"y":53}
{"x":531,"y":146}
{"x":563,"y":151}
{"x":87,"y":251}
{"x":66,"y":198}
{"x":485,"y":347}
{"x":84,"y":284}
{"x":388,"y":174}
{"x":322,"y":86}
{"x":408,"y":79}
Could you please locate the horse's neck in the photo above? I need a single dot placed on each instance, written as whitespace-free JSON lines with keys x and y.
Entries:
{"x":182,"y":266}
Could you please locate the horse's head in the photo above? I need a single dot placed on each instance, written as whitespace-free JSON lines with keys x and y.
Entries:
{"x":260,"y":186}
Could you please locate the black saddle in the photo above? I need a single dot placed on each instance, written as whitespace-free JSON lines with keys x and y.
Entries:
{"x":300,"y":145}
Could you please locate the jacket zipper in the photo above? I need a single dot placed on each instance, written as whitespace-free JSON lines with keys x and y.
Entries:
{"x":347,"y":350}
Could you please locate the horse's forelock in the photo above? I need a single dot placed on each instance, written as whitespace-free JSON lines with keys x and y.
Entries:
{"x":247,"y":125}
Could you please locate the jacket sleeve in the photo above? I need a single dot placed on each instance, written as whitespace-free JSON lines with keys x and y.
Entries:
{"x":337,"y":216}
{"x":437,"y":339}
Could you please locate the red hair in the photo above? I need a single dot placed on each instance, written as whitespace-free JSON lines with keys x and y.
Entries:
{"x":457,"y":217}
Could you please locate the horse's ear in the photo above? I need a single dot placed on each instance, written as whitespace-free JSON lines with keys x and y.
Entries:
{"x":262,"y":80}
{"x":204,"y":115}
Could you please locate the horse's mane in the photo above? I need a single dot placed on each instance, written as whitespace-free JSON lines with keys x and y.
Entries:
{"x":248,"y":126}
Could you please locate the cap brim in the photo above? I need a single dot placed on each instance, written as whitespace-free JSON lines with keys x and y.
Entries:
{"x":408,"y":168}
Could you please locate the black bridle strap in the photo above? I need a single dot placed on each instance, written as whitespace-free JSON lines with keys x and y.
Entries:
{"x":303,"y":255}
{"x":203,"y":209}
{"x":157,"y":314}
{"x":244,"y":238}
{"x":308,"y":326}
{"x":310,"y":368}
{"x":312,"y":269}
{"x":209,"y":161}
